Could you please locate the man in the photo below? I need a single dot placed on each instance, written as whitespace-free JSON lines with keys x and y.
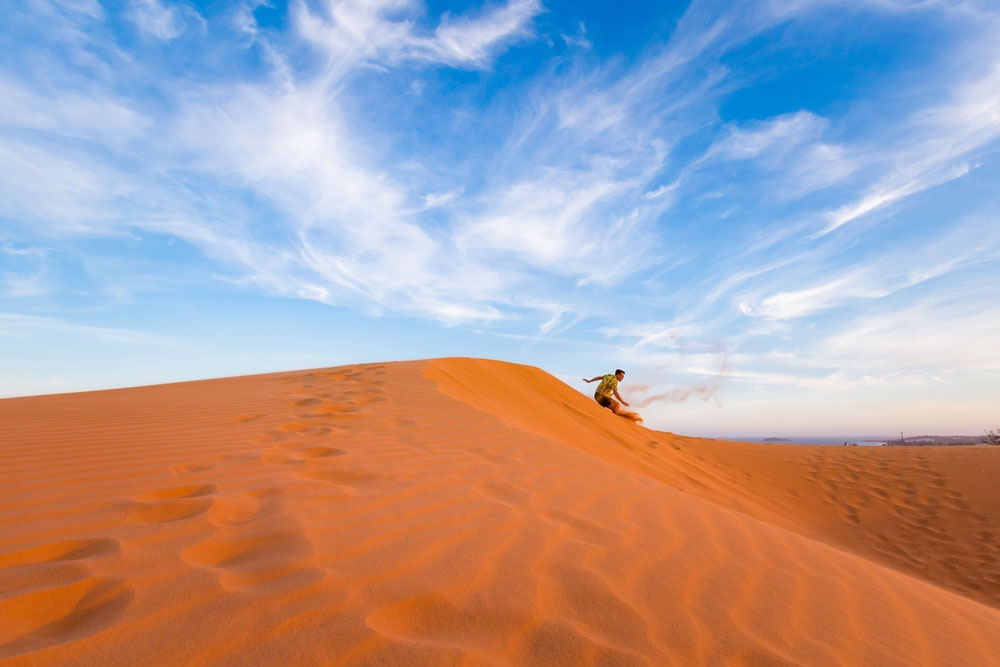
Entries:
{"x":607,"y":388}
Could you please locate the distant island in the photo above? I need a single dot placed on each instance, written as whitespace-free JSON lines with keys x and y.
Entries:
{"x":776,"y":440}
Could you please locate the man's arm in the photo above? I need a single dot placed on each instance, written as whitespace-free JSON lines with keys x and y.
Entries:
{"x":599,"y":377}
{"x":619,"y":397}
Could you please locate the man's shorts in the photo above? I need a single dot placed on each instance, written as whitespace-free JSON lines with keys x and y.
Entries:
{"x":604,"y":400}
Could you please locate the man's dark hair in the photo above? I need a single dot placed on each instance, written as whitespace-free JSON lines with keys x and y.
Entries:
{"x":618,"y":370}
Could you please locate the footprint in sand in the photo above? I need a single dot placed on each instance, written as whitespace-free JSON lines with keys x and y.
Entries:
{"x":173,"y":504}
{"x":322,"y":452}
{"x":245,"y":508}
{"x":189,"y":468}
{"x":307,"y":460}
{"x":244,"y":419}
{"x":282,"y":459}
{"x":334,"y":409}
{"x":269,"y":552}
{"x":303,"y":428}
{"x":249,"y":550}
{"x":347,"y":478}
{"x":293,"y":458}
{"x":294,"y":430}
{"x":49,"y":595}
{"x":295,"y":427}
{"x":187,"y":491}
{"x":303,"y":402}
{"x":55,"y":552}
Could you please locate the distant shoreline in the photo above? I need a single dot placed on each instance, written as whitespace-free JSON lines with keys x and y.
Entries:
{"x":864,"y":441}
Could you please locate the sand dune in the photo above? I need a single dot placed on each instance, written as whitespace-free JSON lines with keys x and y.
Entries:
{"x":464,"y":511}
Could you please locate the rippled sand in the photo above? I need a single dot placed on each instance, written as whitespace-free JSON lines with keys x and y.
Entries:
{"x":463,"y":511}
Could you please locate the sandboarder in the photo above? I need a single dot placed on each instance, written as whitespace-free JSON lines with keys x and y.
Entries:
{"x":609,"y":387}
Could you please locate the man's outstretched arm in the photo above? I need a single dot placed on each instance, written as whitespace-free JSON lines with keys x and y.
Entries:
{"x":619,"y":397}
{"x":599,"y":377}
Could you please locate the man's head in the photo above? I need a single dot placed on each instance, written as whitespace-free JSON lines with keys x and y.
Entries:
{"x":620,"y":374}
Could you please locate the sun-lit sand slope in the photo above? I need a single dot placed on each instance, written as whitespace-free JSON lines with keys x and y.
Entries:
{"x":463,"y":511}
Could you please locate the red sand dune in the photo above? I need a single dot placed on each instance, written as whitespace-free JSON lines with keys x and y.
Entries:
{"x":463,"y":511}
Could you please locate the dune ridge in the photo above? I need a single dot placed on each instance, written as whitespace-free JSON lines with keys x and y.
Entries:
{"x":466,"y":511}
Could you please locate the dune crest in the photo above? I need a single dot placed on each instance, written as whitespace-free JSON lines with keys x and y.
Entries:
{"x":476,"y":512}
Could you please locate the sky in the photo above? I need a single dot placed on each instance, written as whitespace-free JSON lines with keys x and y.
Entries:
{"x":779,"y":217}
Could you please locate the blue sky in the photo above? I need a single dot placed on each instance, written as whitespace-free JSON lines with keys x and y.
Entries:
{"x":781,"y":218}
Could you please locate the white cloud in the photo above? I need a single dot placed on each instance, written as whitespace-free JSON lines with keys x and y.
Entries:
{"x":804,"y":302}
{"x":157,"y":20}
{"x":548,"y":222}
{"x":23,"y":272}
{"x":667,"y":189}
{"x":373,"y":30}
{"x":17,"y":286}
{"x":673,"y":335}
{"x":17,"y":324}
{"x":948,"y":330}
{"x":348,"y":228}
{"x":437,"y":199}
{"x":579,"y":39}
{"x":905,"y":182}
{"x":63,"y":190}
{"x":68,"y":113}
{"x":90,"y":8}
{"x":939,"y":144}
{"x":558,"y":322}
{"x":791,"y":145}
{"x":474,"y":39}
{"x":243,"y":18}
{"x":905,"y":265}
{"x":785,"y":133}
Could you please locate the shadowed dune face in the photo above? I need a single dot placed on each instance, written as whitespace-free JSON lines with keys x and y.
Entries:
{"x":475,"y":512}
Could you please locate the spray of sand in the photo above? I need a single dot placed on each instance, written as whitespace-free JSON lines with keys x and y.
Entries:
{"x":704,"y":391}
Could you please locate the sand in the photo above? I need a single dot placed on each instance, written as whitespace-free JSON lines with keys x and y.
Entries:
{"x":463,"y":511}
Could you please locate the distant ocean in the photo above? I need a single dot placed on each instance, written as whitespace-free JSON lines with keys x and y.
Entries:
{"x":861,"y":441}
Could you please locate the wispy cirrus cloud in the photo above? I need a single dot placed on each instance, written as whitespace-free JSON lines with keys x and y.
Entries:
{"x":963,"y":244}
{"x":943,"y":142}
{"x":772,"y":139}
{"x":376,"y":32}
{"x":68,"y":113}
{"x":347,"y":229}
{"x":157,"y":20}
{"x":945,"y":334}
{"x":803,"y":302}
{"x":17,"y":324}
